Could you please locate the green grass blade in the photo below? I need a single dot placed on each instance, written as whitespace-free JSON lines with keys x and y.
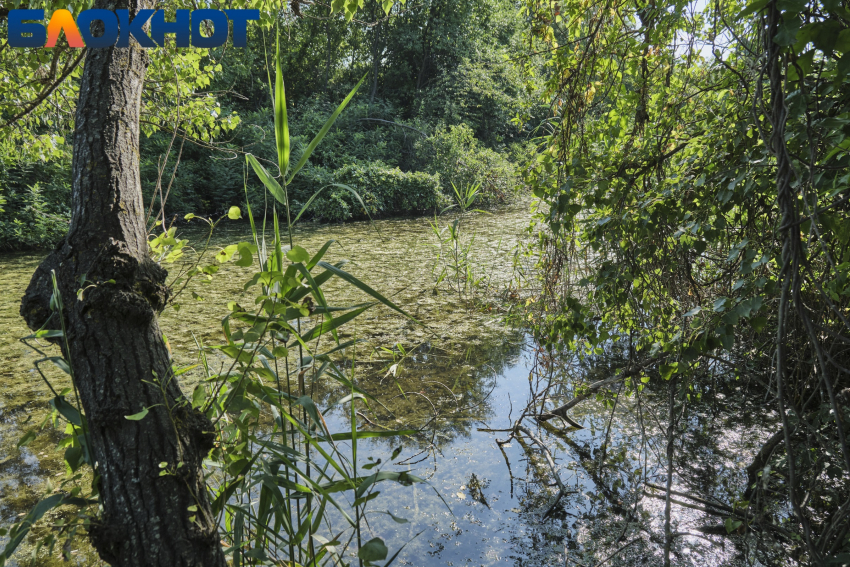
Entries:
{"x":366,"y":434}
{"x":331,"y":324}
{"x":393,"y":558}
{"x":270,"y":182}
{"x":341,"y":186}
{"x":281,"y":122}
{"x":302,"y":292}
{"x":278,"y":251}
{"x":324,"y":130}
{"x":319,"y":255}
{"x":317,"y":293}
{"x":342,"y":274}
{"x":251,"y":215}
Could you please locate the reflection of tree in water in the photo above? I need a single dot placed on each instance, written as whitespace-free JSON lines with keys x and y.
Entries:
{"x":616,"y":468}
{"x":437,"y":392}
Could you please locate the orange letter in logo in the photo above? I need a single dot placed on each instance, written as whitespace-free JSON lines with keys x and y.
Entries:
{"x":63,"y":20}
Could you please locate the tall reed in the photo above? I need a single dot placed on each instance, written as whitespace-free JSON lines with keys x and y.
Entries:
{"x":277,"y":478}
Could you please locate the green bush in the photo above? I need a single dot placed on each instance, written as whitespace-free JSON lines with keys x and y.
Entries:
{"x":384,"y":190}
{"x":366,"y":148}
{"x":34,"y":200}
{"x":363,"y":133}
{"x":458,"y":157}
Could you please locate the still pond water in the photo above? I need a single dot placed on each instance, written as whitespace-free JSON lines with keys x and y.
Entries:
{"x":477,"y":374}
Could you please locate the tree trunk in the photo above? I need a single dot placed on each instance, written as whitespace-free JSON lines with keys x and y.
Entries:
{"x":116,"y":349}
{"x":426,"y":44}
{"x":376,"y":53}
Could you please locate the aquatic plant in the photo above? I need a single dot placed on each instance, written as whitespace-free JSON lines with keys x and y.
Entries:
{"x":455,"y":254}
{"x":275,"y":471}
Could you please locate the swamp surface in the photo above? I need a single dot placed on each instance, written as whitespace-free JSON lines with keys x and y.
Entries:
{"x":462,"y":376}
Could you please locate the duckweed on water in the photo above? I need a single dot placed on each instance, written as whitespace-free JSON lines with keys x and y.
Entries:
{"x":460,"y":373}
{"x":395,"y":256}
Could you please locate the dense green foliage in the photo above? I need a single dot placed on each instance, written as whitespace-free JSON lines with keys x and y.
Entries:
{"x":34,"y":204}
{"x":382,"y":189}
{"x":440,"y":99}
{"x":696,"y":179}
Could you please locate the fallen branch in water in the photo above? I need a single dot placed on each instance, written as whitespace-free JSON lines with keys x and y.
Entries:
{"x":562,"y":489}
{"x":592,"y":389}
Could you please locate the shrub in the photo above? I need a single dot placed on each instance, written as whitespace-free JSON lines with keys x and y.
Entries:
{"x":205,"y":182}
{"x":384,"y":190}
{"x":34,"y":202}
{"x":458,"y":157}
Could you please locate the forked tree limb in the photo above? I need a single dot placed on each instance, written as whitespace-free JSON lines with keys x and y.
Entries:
{"x":590,"y":391}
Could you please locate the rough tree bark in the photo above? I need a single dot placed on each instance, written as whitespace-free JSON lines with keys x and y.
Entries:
{"x":116,"y":348}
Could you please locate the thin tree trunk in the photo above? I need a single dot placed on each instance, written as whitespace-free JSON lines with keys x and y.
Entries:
{"x":671,"y":437}
{"x":116,"y":349}
{"x":376,"y":52}
{"x":329,"y":52}
{"x":426,"y":45}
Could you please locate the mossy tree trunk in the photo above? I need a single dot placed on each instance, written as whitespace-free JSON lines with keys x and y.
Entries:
{"x":116,"y":349}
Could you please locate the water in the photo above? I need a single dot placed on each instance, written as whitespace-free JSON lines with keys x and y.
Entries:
{"x":497,"y":493}
{"x":466,"y":375}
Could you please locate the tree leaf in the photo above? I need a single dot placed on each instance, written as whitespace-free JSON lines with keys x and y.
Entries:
{"x":667,"y":370}
{"x":67,"y":411}
{"x":27,"y":438}
{"x":137,"y":416}
{"x":246,"y":255}
{"x":732,"y":525}
{"x":60,"y":363}
{"x":758,"y":323}
{"x":297,"y":254}
{"x":373,"y":550}
{"x":396,"y":519}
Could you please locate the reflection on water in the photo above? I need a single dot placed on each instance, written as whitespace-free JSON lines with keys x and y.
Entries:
{"x":498,"y":493}
{"x":461,"y":376}
{"x":395,"y":256}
